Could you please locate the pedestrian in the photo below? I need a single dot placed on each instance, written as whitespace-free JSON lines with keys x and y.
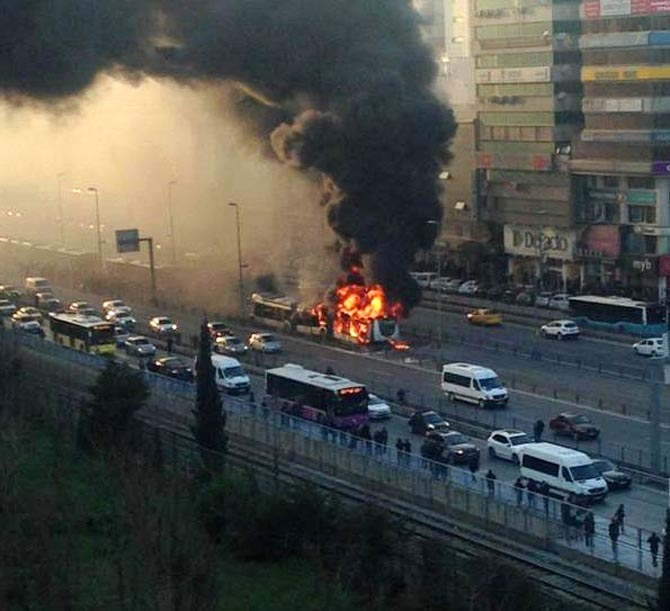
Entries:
{"x":619,"y":515}
{"x":589,"y":529}
{"x":377,"y":437}
{"x":408,"y":451}
{"x":399,"y":448}
{"x":401,"y":396}
{"x":614,"y":537}
{"x":169,"y":345}
{"x":473,"y":465}
{"x":531,"y":490}
{"x":654,"y":540}
{"x":544,"y":491}
{"x":538,"y":429}
{"x":491,"y":482}
{"x":367,"y":438}
{"x":518,"y":487}
{"x":384,"y":439}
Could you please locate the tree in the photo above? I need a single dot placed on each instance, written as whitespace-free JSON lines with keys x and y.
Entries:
{"x":210,"y":418}
{"x":108,"y":419}
{"x":664,"y":583}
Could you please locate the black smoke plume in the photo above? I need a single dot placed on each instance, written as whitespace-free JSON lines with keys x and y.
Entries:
{"x":342,"y":86}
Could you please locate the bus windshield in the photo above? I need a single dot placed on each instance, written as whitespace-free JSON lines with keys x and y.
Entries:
{"x":350,"y":404}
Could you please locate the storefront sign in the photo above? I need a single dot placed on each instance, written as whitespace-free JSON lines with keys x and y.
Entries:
{"x":660,"y":168}
{"x":593,"y":9}
{"x":664,"y":265}
{"x":640,"y":265}
{"x":513,"y":75}
{"x":545,"y":242}
{"x":604,"y":240}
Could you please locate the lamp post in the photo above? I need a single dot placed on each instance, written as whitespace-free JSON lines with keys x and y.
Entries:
{"x":436,"y":225}
{"x":239,"y":256}
{"x":539,"y":253}
{"x":94,"y":191}
{"x":171,"y":184}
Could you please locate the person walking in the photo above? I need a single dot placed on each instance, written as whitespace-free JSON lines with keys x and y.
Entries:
{"x":531,"y":490}
{"x":544,"y":491}
{"x":614,"y":537}
{"x":399,"y":450}
{"x":384,"y":439}
{"x":619,"y":516}
{"x":491,"y":482}
{"x":169,"y":344}
{"x":518,"y":487}
{"x":538,"y":429}
{"x":377,"y":437}
{"x":654,"y":541}
{"x":589,"y":529}
{"x":408,"y":451}
{"x":474,"y":466}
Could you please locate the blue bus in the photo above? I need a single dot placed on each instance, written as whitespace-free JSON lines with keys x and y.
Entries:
{"x":619,"y":314}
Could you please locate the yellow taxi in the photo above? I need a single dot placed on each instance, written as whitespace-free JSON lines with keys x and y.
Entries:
{"x":484,"y":316}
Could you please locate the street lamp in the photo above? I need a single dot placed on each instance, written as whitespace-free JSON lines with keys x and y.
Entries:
{"x":94,"y":191}
{"x":436,"y":224}
{"x":171,"y":184}
{"x":239,"y":256}
{"x":539,"y":252}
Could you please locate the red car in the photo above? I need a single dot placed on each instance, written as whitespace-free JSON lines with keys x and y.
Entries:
{"x":574,"y":425}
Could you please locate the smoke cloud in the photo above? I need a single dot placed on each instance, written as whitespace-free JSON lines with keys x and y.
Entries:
{"x":339,"y":88}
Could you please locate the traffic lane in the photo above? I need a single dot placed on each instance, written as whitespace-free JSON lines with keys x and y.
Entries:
{"x":644,"y":505}
{"x":594,"y":351}
{"x":388,"y":377}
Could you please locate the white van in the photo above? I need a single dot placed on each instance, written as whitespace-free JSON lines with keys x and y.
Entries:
{"x":570,"y":474}
{"x":423,"y":279}
{"x":474,"y":384}
{"x":229,"y":374}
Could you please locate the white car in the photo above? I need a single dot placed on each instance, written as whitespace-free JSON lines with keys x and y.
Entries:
{"x":378,"y":409}
{"x":542,"y":300}
{"x":112,"y":304}
{"x":470,"y":287}
{"x":81,"y":307}
{"x":560,"y":329}
{"x":560,"y":301}
{"x":507,"y":443}
{"x":229,"y":344}
{"x":440,"y":284}
{"x":264,"y":342}
{"x":452,"y":285}
{"x":652,"y":346}
{"x":7,"y":307}
{"x":136,"y":345}
{"x":162,"y":325}
{"x":121,"y":319}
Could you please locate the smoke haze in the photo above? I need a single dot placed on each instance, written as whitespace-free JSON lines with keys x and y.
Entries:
{"x":340,"y":88}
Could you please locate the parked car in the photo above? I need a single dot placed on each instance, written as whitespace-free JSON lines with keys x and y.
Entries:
{"x":615,"y":478}
{"x":81,"y":307}
{"x":26,"y":322}
{"x":112,"y":304}
{"x":264,"y":342}
{"x":509,"y":295}
{"x":378,"y":409}
{"x":422,"y":422}
{"x":652,"y":346}
{"x":470,"y":287}
{"x":484,"y":316}
{"x":121,"y":334}
{"x":423,"y":279}
{"x":560,"y":329}
{"x":30,"y":311}
{"x":578,"y":426}
{"x":163,"y":326}
{"x":507,"y":444}
{"x":172,"y":367}
{"x":46,"y":302}
{"x":440,"y":284}
{"x":453,"y":285}
{"x":542,"y":299}
{"x":7,"y":307}
{"x":9,"y":291}
{"x":525,"y":298}
{"x":560,"y":301}
{"x":450,"y":447}
{"x":218,"y":329}
{"x":229,"y":344}
{"x":137,"y":345}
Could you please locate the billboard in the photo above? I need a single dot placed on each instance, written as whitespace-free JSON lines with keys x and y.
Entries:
{"x":534,"y":241}
{"x":594,"y":9}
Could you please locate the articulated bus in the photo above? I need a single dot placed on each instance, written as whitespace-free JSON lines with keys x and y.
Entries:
{"x":619,"y":314}
{"x":324,"y":398}
{"x":284,"y":313}
{"x":81,"y":332}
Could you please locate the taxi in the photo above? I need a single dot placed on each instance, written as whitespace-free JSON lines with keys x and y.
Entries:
{"x":484,"y":316}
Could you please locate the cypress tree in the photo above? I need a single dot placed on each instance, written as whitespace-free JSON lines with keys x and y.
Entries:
{"x":210,"y":418}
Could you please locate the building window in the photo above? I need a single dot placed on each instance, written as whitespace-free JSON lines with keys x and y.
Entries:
{"x":641,"y":182}
{"x":611,"y":182}
{"x":641,"y":214}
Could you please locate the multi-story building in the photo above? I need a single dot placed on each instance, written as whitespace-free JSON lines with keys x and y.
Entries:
{"x":621,"y":161}
{"x":528,"y":94}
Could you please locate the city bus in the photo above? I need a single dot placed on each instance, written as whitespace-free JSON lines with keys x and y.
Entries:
{"x":619,"y":314}
{"x":321,"y":397}
{"x":83,"y":332}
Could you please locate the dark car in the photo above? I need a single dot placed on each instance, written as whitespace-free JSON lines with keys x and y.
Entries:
{"x":578,"y":426}
{"x":423,"y":422}
{"x":450,"y":447}
{"x":172,"y":367}
{"x":616,"y":479}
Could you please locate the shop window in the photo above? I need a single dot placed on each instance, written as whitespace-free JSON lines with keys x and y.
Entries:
{"x":641,"y":214}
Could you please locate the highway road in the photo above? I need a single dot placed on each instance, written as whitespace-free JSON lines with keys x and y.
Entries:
{"x":626,"y":434}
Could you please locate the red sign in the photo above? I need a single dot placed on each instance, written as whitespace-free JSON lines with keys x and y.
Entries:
{"x":604,"y":239}
{"x":664,"y":265}
{"x":593,"y":9}
{"x":484,"y":160}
